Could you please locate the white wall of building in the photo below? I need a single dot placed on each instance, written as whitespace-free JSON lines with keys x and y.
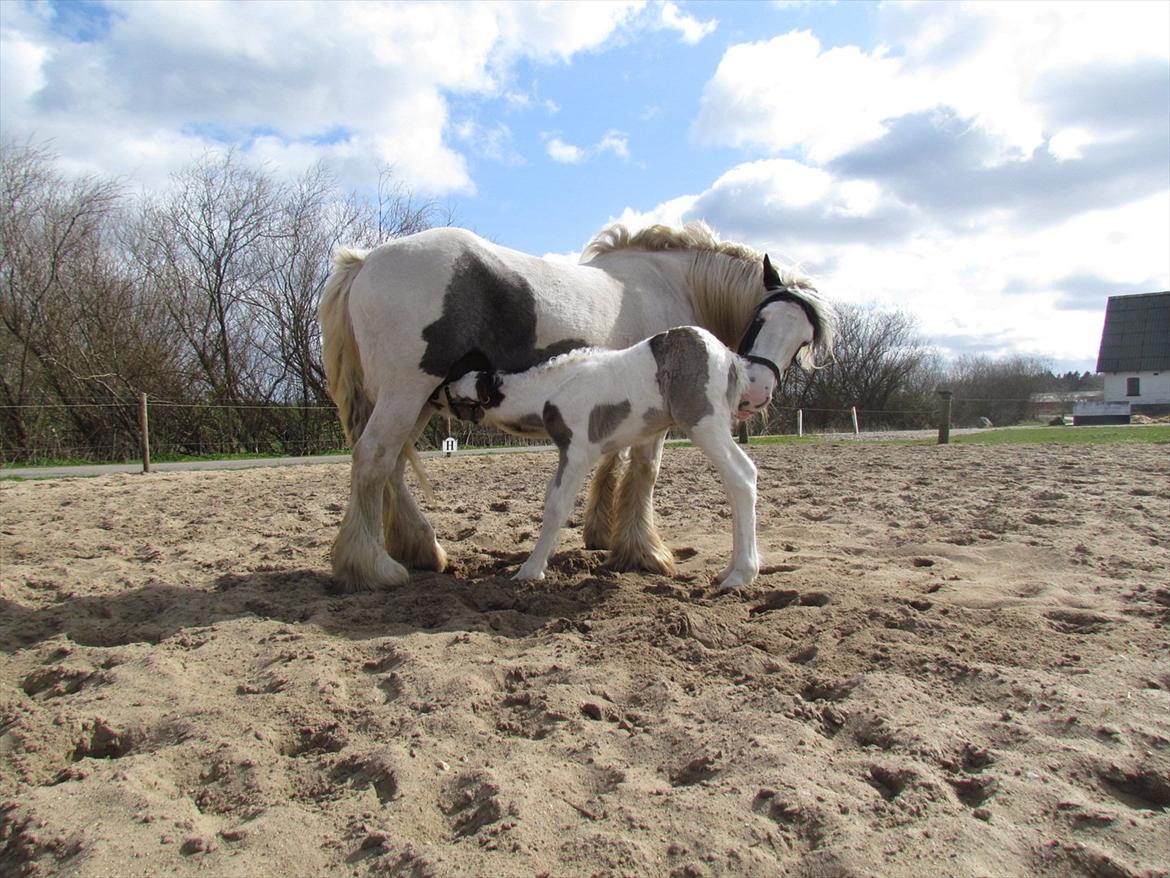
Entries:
{"x":1155,"y":387}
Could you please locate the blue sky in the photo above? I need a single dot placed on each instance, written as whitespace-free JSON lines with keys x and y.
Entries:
{"x":996,"y":169}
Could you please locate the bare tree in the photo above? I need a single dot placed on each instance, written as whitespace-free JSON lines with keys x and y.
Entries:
{"x":311,"y":222}
{"x":997,"y":389}
{"x":199,"y":249}
{"x":881,"y":365}
{"x":53,"y":234}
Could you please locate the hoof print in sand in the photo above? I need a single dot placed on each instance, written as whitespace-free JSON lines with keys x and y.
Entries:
{"x":471,"y":802}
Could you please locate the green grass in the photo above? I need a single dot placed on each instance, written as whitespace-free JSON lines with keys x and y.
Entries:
{"x":1156,"y":433}
{"x":1152,"y":433}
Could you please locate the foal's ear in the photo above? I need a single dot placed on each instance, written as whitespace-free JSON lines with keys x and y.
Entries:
{"x":771,"y":276}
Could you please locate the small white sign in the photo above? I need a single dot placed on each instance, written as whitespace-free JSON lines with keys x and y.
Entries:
{"x":450,"y":445}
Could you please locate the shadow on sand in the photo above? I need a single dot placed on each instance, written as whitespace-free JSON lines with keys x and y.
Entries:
{"x":471,"y":599}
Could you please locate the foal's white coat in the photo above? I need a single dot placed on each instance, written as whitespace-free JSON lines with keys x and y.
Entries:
{"x":595,"y":401}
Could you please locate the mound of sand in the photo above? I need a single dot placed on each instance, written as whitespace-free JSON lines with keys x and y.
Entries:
{"x":954,"y":663}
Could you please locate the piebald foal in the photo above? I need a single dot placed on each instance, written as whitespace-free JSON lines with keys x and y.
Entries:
{"x":592,"y":402}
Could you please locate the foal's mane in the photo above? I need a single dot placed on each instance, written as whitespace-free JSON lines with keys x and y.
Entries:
{"x":725,"y":279}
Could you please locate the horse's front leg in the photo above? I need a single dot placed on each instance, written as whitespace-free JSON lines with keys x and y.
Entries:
{"x":407,"y":534}
{"x":636,"y":543}
{"x":558,"y":503}
{"x":738,"y":475}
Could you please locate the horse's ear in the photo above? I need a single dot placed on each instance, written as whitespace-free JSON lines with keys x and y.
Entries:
{"x":771,"y":276}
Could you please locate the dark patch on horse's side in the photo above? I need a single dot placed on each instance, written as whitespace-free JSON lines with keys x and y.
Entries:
{"x":560,"y":434}
{"x":681,"y":357}
{"x":606,"y":418}
{"x":488,"y":323}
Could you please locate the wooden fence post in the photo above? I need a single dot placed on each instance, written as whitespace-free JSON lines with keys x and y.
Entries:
{"x":743,"y":433}
{"x":944,"y":424}
{"x":800,"y":422}
{"x":144,"y":424}
{"x":853,"y":411}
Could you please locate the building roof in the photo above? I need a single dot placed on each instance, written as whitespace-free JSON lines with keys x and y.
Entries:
{"x":1136,"y":337}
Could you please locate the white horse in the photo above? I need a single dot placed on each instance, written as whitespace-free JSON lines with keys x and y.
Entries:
{"x":593,"y":402}
{"x":400,"y":321}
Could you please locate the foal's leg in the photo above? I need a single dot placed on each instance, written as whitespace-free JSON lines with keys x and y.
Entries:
{"x":359,"y":561}
{"x":408,"y":535}
{"x":636,"y":544}
{"x":597,"y":531}
{"x":558,"y":503}
{"x":738,"y":474}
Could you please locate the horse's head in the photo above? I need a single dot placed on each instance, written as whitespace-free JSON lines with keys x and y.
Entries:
{"x":782,"y":325}
{"x":470,"y":394}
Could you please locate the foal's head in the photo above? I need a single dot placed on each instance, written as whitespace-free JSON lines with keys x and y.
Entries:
{"x":782,"y":325}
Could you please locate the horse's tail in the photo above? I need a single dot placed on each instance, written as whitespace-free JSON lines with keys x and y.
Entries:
{"x":416,"y":464}
{"x":342,"y":361}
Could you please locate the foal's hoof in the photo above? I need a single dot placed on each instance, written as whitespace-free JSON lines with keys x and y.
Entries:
{"x":733,"y":580}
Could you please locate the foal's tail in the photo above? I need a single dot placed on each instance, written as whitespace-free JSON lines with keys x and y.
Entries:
{"x":342,"y":361}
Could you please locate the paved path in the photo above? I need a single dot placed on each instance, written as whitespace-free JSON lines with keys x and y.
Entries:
{"x":105,"y":469}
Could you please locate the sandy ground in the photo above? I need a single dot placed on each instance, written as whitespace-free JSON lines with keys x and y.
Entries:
{"x":955,"y":663}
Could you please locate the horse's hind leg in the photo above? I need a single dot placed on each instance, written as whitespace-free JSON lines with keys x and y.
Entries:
{"x":359,"y":561}
{"x":636,"y":543}
{"x":597,"y":530}
{"x":409,"y":537}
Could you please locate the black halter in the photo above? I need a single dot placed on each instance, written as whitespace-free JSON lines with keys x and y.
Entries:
{"x":757,"y":324}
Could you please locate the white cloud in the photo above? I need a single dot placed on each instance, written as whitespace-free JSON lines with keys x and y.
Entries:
{"x":986,"y":61}
{"x":558,"y":150}
{"x":785,"y":93}
{"x":690,"y":28}
{"x":357,"y":82}
{"x":565,"y":153}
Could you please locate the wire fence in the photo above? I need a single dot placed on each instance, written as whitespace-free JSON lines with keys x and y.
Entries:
{"x":118,"y":430}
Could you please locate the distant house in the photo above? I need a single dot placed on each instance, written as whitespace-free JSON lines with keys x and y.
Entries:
{"x":1134,"y":358}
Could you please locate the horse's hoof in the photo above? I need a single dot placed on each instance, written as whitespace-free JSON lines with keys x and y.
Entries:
{"x":428,"y":557}
{"x":440,"y":559}
{"x":651,"y":559}
{"x":384,"y":573}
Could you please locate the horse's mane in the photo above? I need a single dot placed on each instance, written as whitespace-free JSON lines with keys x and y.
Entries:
{"x":725,"y":279}
{"x":693,"y":236}
{"x":559,"y":361}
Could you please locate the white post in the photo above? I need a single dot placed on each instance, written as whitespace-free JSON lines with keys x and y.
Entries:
{"x":144,"y":427}
{"x":800,"y":422}
{"x":853,"y":411}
